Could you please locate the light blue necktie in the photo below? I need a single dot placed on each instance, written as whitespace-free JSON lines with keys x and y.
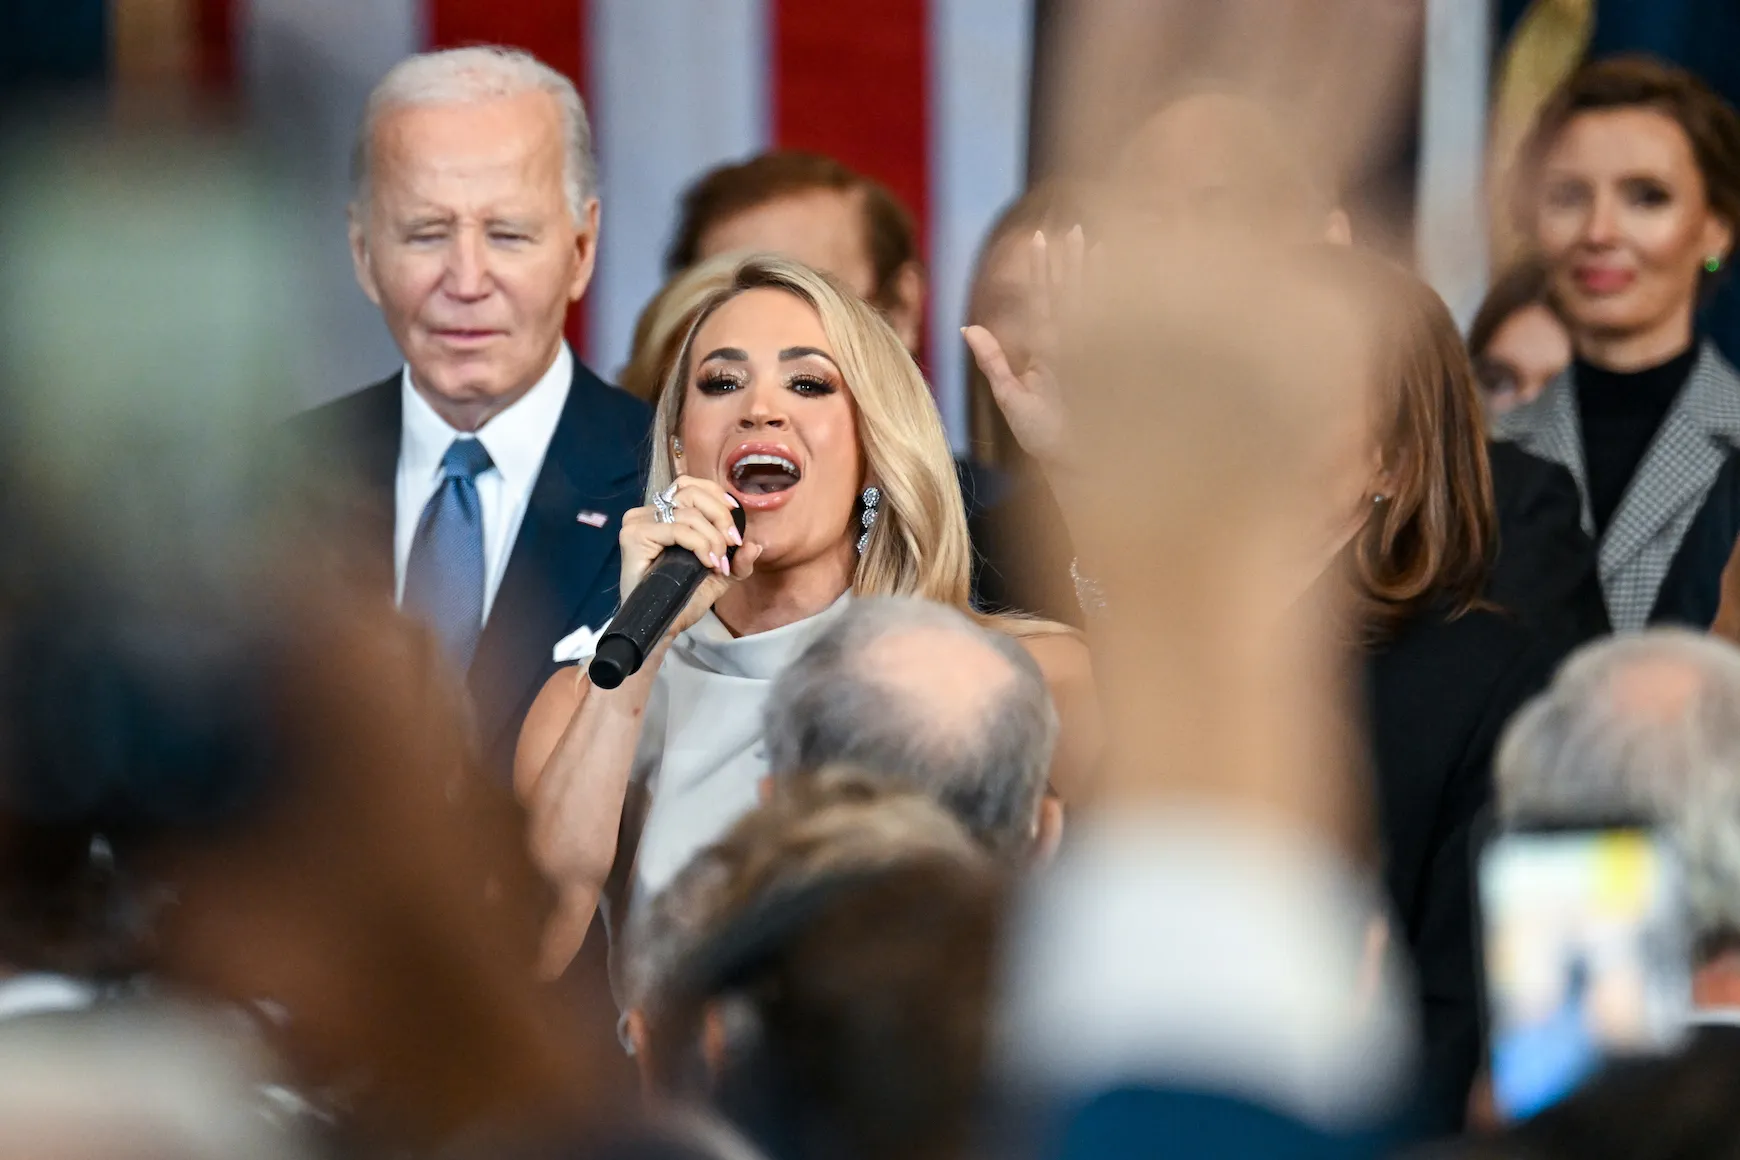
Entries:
{"x":444,"y":576}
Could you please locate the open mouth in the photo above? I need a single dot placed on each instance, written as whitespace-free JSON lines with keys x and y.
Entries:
{"x":764,"y":473}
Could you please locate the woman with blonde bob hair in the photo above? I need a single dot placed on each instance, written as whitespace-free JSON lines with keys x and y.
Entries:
{"x":794,"y":401}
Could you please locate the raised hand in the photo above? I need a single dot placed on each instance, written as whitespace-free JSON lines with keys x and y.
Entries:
{"x":1032,"y":401}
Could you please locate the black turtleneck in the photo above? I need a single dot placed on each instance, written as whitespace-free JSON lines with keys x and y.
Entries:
{"x":1621,"y":411}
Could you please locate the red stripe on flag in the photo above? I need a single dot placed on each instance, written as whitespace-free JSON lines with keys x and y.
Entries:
{"x":214,"y":43}
{"x":851,"y":79}
{"x":554,"y":31}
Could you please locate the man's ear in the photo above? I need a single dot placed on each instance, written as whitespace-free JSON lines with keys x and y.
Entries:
{"x":360,"y":259}
{"x":585,"y":251}
{"x":904,"y":307}
{"x":1048,"y":833}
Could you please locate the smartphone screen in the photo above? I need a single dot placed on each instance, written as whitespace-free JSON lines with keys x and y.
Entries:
{"x":1587,"y":957}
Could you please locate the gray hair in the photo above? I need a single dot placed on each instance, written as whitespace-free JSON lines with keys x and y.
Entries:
{"x":830,"y":708}
{"x":480,"y":73}
{"x":1641,"y":726}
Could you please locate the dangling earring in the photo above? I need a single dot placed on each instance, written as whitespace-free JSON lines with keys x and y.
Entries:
{"x":867,"y":518}
{"x":676,"y":447}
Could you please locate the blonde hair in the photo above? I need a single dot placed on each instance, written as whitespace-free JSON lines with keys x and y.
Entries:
{"x":664,"y":324}
{"x":919,"y":546}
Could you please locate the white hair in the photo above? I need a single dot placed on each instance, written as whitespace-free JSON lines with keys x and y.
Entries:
{"x":485,"y":72}
{"x":1642,"y":726}
{"x":831,"y":707}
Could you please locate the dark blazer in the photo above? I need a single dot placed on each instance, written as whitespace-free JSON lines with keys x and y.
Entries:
{"x":1439,"y":695}
{"x":1545,"y":570}
{"x":562,"y":573}
{"x":1693,"y":587}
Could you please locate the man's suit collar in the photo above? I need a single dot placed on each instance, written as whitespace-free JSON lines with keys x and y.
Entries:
{"x":516,"y":438}
{"x":593,"y":465}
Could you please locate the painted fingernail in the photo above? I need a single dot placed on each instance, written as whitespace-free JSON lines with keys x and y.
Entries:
{"x":732,"y":500}
{"x":713,"y":560}
{"x":735,"y":536}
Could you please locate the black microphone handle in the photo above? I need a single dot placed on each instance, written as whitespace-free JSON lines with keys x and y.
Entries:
{"x":649,"y":612}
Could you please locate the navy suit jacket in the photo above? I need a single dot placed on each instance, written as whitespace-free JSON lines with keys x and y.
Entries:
{"x":562,"y":573}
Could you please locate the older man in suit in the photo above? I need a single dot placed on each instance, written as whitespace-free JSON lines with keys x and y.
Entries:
{"x":504,"y":463}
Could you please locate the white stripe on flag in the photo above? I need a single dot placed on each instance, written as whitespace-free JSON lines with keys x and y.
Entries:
{"x":308,"y":68}
{"x":678,"y":86}
{"x":981,"y":55}
{"x":1451,"y":209}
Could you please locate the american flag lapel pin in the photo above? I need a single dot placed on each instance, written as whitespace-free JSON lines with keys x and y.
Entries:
{"x":593,"y":519}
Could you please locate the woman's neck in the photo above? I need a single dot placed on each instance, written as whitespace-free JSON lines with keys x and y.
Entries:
{"x":775,"y":598}
{"x":1637,"y":350}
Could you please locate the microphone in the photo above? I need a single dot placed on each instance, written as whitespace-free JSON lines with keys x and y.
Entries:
{"x":647,"y":614}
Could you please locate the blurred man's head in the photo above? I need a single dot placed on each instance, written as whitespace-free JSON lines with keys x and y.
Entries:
{"x":918,"y":693}
{"x":475,"y":221}
{"x":861,"y":1003}
{"x":813,"y":209}
{"x":1644,"y":727}
{"x":1217,"y":157}
{"x":831,"y":824}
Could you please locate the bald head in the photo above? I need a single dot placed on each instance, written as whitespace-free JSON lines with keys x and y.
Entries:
{"x":919,"y":693}
{"x":1656,"y":691}
{"x":951,"y":680}
{"x":1222,"y":158}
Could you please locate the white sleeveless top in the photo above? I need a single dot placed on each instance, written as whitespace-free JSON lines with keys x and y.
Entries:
{"x":701,"y":759}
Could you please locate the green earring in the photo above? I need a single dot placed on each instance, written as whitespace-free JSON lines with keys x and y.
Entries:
{"x":1713,"y":263}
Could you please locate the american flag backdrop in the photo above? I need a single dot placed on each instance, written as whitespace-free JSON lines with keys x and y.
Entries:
{"x":928,"y":96}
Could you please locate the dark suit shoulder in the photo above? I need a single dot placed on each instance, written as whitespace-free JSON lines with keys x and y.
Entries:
{"x":1475,"y":647}
{"x":356,"y":412}
{"x":1693,"y":586}
{"x":604,"y":406}
{"x":1546,"y":565}
{"x":1518,"y":474}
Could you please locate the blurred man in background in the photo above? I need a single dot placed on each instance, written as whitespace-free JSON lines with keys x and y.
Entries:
{"x":506,"y":465}
{"x":717,"y":1023}
{"x":1646,"y":729}
{"x":919,"y":694}
{"x":814,"y":209}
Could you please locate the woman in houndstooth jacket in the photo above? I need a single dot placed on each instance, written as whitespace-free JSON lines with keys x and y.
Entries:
{"x":1629,"y":186}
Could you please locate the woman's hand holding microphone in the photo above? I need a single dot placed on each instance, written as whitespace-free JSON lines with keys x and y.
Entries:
{"x":701,"y":521}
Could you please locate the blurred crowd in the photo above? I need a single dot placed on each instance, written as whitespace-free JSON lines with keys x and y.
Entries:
{"x":1292,"y":726}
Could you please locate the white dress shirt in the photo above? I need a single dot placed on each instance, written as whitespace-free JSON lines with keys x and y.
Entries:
{"x":1196,"y":950}
{"x":516,"y":440}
